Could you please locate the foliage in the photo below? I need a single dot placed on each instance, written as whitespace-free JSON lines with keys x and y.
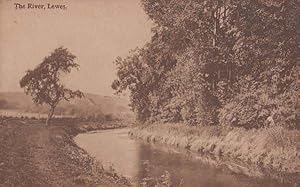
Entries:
{"x":255,"y":104}
{"x":274,"y":147}
{"x":44,"y":82}
{"x":210,"y":62}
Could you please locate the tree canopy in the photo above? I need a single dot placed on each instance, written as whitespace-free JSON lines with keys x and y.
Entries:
{"x":44,"y":82}
{"x":228,"y":62}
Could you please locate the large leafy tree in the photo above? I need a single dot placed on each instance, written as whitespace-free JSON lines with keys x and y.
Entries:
{"x":267,"y":53}
{"x":44,"y":82}
{"x":208,"y":58}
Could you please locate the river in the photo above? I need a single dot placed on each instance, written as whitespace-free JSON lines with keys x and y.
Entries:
{"x":137,"y":160}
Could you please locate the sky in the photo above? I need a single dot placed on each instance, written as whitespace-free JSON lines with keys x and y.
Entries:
{"x":96,"y":31}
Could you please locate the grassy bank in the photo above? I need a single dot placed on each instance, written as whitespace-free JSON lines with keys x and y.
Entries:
{"x":33,"y":154}
{"x":273,"y":148}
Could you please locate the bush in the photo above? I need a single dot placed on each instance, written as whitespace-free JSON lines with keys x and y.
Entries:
{"x":258,"y":108}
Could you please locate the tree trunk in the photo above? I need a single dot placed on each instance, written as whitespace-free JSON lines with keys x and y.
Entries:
{"x":50,"y":115}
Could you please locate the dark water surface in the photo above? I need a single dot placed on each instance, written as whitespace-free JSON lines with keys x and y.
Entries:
{"x":137,"y":160}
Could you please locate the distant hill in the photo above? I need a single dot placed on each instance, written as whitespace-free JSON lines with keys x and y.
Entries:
{"x":90,"y":105}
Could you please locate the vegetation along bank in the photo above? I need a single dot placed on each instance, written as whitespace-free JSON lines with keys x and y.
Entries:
{"x":33,"y":154}
{"x":276,"y":149}
{"x":227,"y":72}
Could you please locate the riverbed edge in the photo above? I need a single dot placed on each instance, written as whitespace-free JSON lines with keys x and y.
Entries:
{"x":275,"y":149}
{"x":76,"y":167}
{"x":74,"y":130}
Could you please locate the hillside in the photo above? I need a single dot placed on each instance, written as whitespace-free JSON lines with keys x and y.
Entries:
{"x":90,"y":105}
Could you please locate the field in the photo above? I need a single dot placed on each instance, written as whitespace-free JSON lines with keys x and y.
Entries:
{"x":17,"y":104}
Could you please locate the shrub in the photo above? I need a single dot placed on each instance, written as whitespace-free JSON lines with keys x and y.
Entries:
{"x":253,"y":109}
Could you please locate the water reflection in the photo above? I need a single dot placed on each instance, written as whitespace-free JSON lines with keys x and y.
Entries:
{"x":138,"y":160}
{"x":112,"y":148}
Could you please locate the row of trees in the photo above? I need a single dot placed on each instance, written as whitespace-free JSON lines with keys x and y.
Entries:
{"x":230,"y":62}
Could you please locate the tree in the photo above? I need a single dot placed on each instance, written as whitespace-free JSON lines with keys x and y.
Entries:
{"x":212,"y":61}
{"x":44,"y":82}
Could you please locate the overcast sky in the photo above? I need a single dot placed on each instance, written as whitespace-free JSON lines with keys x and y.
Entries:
{"x":96,"y":31}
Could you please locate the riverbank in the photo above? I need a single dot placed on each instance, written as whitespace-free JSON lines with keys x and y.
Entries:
{"x":33,"y":154}
{"x":276,"y":149}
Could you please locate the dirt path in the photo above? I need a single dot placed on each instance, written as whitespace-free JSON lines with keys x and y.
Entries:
{"x":35,"y":155}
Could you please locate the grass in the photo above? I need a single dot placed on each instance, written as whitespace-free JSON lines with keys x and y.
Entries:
{"x":273,"y":148}
{"x":33,"y":154}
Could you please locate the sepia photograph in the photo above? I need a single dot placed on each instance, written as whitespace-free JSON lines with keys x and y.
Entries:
{"x":150,"y":93}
